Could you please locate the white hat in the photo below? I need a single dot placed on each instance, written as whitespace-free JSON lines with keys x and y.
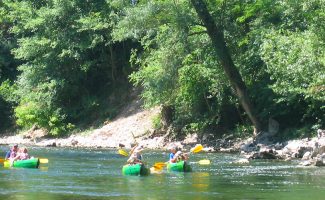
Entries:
{"x":178,"y":153}
{"x":172,"y":147}
{"x":138,"y":149}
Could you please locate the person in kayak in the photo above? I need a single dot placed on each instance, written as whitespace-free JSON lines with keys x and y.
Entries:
{"x":176,"y":156}
{"x":136,"y":156}
{"x":12,"y":152}
{"x":24,"y":154}
{"x":172,"y":157}
{"x":21,"y":155}
{"x":179,"y":156}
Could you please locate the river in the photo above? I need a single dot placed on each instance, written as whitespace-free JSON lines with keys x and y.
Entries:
{"x":94,"y":174}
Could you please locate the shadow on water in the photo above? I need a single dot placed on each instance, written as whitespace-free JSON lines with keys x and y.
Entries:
{"x":94,"y":174}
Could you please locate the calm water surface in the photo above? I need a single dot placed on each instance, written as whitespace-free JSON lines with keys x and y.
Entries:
{"x":96,"y":174}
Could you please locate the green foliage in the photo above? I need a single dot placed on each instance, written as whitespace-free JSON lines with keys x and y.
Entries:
{"x":294,"y":56}
{"x":156,"y":122}
{"x":177,"y":65}
{"x":195,"y":127}
{"x":30,"y":114}
{"x":8,"y":69}
{"x":295,"y":61}
{"x":69,"y":60}
{"x":243,"y":131}
{"x":61,"y":60}
{"x":279,"y":55}
{"x":297,"y":132}
{"x":7,"y":92}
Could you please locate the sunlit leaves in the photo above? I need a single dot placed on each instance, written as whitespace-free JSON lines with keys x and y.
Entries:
{"x":295,"y":62}
{"x":59,"y":41}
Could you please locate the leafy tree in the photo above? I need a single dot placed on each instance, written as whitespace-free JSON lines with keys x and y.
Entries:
{"x":219,"y":43}
{"x":8,"y":68}
{"x":69,"y":60}
{"x":196,"y":58}
{"x":177,"y":68}
{"x":175,"y":44}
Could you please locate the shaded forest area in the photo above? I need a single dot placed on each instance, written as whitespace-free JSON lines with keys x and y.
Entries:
{"x":214,"y":65}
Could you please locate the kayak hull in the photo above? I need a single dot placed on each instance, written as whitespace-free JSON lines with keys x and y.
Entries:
{"x":135,"y":170}
{"x":30,"y":163}
{"x":180,"y":166}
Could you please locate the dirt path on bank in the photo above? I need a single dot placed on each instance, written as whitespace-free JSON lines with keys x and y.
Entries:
{"x":131,"y":125}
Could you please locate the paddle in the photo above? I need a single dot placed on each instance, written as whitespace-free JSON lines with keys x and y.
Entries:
{"x":161,"y":165}
{"x":41,"y":160}
{"x":203,"y":162}
{"x":123,"y":152}
{"x":197,"y":148}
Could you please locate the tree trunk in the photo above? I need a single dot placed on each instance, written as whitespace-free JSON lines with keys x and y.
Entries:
{"x":167,"y":113}
{"x":219,"y":43}
{"x":113,"y":65}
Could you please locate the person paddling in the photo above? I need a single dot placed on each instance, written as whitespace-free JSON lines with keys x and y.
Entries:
{"x":136,"y":156}
{"x":12,"y":152}
{"x":176,"y":156}
{"x":23,"y":154}
{"x":172,"y":157}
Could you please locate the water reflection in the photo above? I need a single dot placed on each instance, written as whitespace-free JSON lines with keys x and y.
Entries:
{"x":201,"y":181}
{"x":96,"y":174}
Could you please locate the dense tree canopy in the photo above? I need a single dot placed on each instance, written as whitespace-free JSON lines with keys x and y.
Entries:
{"x":61,"y":60}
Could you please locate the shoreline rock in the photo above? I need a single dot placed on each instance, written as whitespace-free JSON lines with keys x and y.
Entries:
{"x":310,"y":151}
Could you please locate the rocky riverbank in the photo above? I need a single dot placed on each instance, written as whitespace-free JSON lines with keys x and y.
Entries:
{"x":309,"y":151}
{"x":134,"y":125}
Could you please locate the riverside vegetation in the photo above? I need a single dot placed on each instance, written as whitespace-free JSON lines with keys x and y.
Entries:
{"x":217,"y":68}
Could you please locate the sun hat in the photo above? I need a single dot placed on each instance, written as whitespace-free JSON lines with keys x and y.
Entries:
{"x":172,"y":147}
{"x":139,"y":149}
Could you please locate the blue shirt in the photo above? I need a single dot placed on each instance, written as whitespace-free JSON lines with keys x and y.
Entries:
{"x":171,"y":156}
{"x":8,"y":154}
{"x":139,"y":157}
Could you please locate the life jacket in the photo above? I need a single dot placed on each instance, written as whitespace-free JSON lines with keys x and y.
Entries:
{"x":24,"y":156}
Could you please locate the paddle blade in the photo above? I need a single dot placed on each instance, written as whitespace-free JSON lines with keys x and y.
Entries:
{"x":122,"y":152}
{"x":159,"y":165}
{"x":158,"y":168}
{"x":43,"y":160}
{"x":197,"y":148}
{"x":204,"y":162}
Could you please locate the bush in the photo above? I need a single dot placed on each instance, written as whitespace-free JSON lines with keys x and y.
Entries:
{"x":156,"y":122}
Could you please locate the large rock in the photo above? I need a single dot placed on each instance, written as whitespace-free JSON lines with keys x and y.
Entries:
{"x":248,"y":145}
{"x":191,"y":139}
{"x":318,"y":151}
{"x":299,"y":147}
{"x":320,"y":133}
{"x":320,"y":160}
{"x":306,"y":156}
{"x":292,"y":147}
{"x":304,"y":149}
{"x":35,"y":133}
{"x":268,"y":154}
{"x":305,"y":163}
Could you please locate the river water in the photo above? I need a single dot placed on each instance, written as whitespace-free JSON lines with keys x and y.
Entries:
{"x":94,"y":174}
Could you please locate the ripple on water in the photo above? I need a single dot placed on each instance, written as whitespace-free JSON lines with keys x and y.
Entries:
{"x":96,"y":174}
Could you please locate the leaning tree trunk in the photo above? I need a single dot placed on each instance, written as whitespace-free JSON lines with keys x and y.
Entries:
{"x":219,"y":44}
{"x":166,"y":115}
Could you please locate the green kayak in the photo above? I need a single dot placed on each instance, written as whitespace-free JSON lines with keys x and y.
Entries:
{"x":30,"y":163}
{"x":136,"y":169}
{"x":180,"y":166}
